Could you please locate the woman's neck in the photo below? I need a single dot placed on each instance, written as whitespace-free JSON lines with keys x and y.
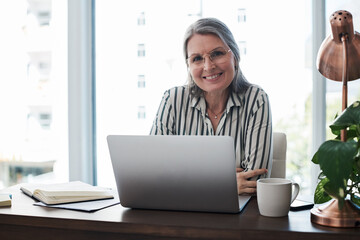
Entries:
{"x":216,"y":102}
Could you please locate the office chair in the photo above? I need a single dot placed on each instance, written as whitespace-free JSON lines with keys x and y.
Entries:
{"x":279,"y":155}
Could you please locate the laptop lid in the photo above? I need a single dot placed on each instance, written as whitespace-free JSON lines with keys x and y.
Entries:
{"x":189,"y":173}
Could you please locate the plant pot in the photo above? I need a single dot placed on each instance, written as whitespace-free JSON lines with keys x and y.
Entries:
{"x":330,"y":215}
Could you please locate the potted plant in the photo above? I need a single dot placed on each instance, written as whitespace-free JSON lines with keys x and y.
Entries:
{"x":340,"y":162}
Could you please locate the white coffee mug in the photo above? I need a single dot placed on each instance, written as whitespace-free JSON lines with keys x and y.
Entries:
{"x":274,"y":196}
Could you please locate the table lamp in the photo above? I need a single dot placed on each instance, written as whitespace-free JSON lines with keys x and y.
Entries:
{"x":338,"y":59}
{"x":339,"y":55}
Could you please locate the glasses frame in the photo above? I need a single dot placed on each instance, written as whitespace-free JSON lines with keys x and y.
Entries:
{"x":195,"y":66}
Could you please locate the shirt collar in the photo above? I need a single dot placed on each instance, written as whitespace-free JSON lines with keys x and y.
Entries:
{"x":199,"y":103}
{"x":234,"y":100}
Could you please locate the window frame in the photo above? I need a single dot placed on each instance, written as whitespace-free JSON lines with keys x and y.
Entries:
{"x":81,"y":92}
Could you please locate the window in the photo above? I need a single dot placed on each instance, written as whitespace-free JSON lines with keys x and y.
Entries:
{"x":33,"y":99}
{"x":141,"y":81}
{"x":141,"y":112}
{"x":44,"y":67}
{"x":141,"y":50}
{"x":242,"y":47}
{"x":141,"y":19}
{"x":241,"y":15}
{"x":45,"y":119}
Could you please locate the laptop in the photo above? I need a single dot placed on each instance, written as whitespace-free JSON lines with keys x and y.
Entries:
{"x":181,"y":173}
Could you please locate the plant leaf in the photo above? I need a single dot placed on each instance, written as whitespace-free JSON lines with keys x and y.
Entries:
{"x":350,"y":116}
{"x":321,"y":196}
{"x":351,"y":133}
{"x":336,"y":160}
{"x":321,"y":176}
{"x":315,"y":158}
{"x":335,"y":192}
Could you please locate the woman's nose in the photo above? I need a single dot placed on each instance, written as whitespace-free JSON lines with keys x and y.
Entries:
{"x":208,"y":64}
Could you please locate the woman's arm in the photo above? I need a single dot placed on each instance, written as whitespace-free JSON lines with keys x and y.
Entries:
{"x":258,"y":146}
{"x":258,"y":140}
{"x":164,"y":120}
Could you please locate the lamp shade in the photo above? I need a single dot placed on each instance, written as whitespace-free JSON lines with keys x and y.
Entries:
{"x":330,"y":56}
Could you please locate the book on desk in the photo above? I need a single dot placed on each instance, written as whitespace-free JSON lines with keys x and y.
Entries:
{"x":5,"y":200}
{"x":69,"y":192}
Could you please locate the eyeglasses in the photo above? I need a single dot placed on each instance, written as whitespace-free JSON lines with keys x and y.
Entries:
{"x":216,"y":56}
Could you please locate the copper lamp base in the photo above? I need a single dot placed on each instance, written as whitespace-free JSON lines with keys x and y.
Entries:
{"x":331,"y":216}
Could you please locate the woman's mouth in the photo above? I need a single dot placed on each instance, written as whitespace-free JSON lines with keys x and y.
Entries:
{"x":212,"y":77}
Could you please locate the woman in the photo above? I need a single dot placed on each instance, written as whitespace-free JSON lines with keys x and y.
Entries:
{"x":218,"y":100}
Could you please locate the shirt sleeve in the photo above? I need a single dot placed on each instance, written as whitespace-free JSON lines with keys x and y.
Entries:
{"x":258,"y":139}
{"x":163,"y":123}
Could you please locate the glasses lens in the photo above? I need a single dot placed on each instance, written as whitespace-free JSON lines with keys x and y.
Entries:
{"x":217,"y":56}
{"x":195,"y":60}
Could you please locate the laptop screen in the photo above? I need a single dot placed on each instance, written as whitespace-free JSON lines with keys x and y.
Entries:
{"x":190,"y":173}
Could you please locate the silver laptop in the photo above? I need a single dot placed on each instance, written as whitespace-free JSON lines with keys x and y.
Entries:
{"x":186,"y":173}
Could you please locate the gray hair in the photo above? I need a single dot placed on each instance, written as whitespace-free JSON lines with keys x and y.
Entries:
{"x":219,"y":29}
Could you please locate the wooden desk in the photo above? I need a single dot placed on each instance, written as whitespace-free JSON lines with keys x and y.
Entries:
{"x":25,"y":221}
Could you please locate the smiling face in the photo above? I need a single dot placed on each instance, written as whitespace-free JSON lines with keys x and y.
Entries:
{"x":212,"y":77}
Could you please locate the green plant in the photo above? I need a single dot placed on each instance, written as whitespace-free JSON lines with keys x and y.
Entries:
{"x":340,"y":161}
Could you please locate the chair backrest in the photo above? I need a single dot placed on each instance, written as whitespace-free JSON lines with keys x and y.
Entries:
{"x":279,"y":155}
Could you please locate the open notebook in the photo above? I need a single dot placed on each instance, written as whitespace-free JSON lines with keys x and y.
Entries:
{"x":188,"y":173}
{"x":68,"y":192}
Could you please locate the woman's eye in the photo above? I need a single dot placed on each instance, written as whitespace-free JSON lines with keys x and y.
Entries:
{"x":197,"y":59}
{"x":215,"y":54}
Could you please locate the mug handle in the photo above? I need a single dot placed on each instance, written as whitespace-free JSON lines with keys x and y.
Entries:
{"x":295,"y":192}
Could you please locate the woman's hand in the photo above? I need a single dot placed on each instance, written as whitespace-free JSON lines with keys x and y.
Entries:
{"x":243,"y":184}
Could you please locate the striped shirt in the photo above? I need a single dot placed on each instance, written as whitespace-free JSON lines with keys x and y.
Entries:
{"x":247,"y":118}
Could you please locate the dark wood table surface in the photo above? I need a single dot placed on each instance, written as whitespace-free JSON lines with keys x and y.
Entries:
{"x":25,"y":221}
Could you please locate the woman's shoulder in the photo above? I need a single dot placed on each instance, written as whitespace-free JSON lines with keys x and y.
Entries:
{"x":177,"y":91}
{"x":253,"y":97}
{"x":255,"y":88}
{"x":255,"y":91}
